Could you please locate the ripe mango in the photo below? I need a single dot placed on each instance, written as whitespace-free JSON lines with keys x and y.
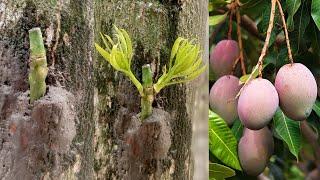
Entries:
{"x":223,"y":56}
{"x":255,"y":149}
{"x":222,"y":97}
{"x":297,"y":89}
{"x":257,"y":103}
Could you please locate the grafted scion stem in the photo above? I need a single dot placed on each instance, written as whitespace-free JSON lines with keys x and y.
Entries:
{"x":147,"y":97}
{"x":38,"y":65}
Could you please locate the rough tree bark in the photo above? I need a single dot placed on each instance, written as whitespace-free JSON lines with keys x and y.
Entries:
{"x":87,"y":97}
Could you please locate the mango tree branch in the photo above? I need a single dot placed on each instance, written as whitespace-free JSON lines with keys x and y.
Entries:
{"x":249,"y":25}
{"x":243,"y":67}
{"x":147,"y":98}
{"x":38,"y":65}
{"x":246,"y":23}
{"x":230,"y":24}
{"x":285,"y":31}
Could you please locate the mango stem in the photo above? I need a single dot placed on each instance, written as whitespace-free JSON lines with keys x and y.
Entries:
{"x":148,"y":95}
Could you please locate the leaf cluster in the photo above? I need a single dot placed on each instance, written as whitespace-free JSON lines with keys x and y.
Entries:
{"x":185,"y":62}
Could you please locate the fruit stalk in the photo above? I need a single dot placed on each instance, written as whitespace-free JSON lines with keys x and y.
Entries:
{"x":147,"y":97}
{"x":230,"y":24}
{"x":38,"y":65}
{"x":269,"y":31}
{"x":241,"y":58}
{"x":285,"y":31}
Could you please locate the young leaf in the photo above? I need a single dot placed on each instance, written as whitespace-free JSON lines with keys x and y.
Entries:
{"x":315,"y":12}
{"x":237,"y":129}
{"x":119,"y":55}
{"x":220,"y":172}
{"x":185,"y":64}
{"x":289,"y":131}
{"x":222,"y":142}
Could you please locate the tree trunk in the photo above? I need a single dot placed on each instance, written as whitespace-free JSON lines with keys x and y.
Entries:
{"x":81,"y":128}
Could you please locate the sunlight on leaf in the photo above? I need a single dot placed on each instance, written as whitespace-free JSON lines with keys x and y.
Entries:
{"x":222,"y":142}
{"x":289,"y":131}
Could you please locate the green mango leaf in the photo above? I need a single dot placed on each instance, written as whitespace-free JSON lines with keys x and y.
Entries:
{"x":289,"y":131}
{"x":216,"y":19}
{"x":265,"y":16}
{"x":220,"y":172}
{"x":271,"y":57}
{"x":292,"y":8}
{"x":222,"y":142}
{"x":316,"y":39}
{"x":316,"y":107}
{"x":302,"y":23}
{"x":237,"y":129}
{"x":315,"y":12}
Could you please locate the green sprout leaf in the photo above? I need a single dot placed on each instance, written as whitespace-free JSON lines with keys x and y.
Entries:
{"x":185,"y":64}
{"x":119,"y":54}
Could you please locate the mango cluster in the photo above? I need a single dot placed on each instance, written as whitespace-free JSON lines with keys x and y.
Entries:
{"x":294,"y":91}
